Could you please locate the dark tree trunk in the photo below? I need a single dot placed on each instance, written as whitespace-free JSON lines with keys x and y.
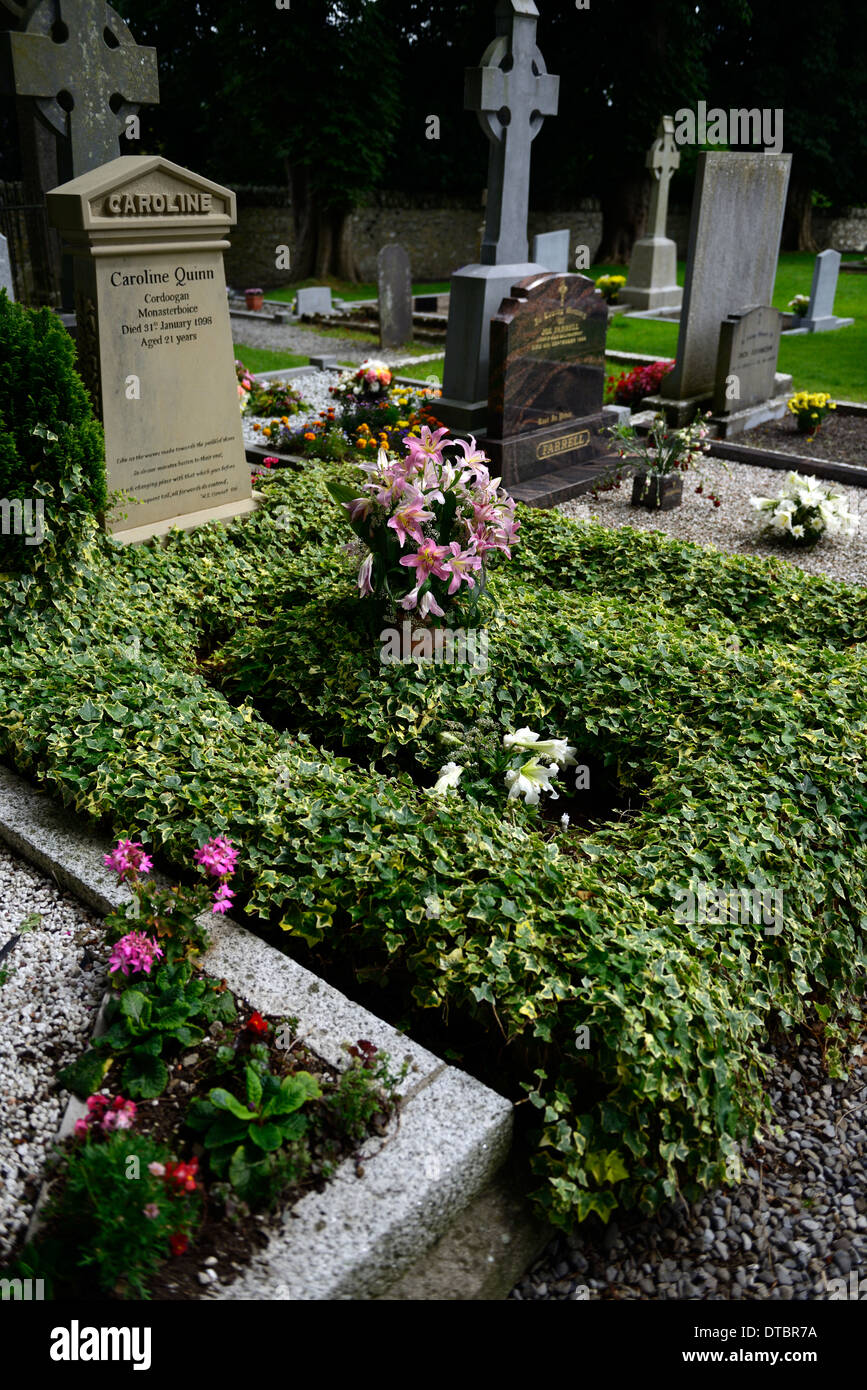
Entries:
{"x":624,"y":214}
{"x":798,"y":222}
{"x":323,"y":247}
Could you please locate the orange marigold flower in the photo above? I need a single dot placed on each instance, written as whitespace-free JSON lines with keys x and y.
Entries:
{"x":310,"y":435}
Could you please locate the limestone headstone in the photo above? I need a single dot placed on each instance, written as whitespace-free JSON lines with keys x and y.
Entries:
{"x":734,"y":242}
{"x":511,"y":92}
{"x":652,"y":279}
{"x":547,"y":380}
{"x":154,"y":342}
{"x":820,"y":317}
{"x":6,"y":268}
{"x":394,"y":281}
{"x":315,"y":299}
{"x":749,"y":344}
{"x":551,"y":249}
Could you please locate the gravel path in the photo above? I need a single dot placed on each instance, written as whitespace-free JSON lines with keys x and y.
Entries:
{"x":796,"y":1223}
{"x":48,"y":1004}
{"x":735,"y":525}
{"x":292,"y":337}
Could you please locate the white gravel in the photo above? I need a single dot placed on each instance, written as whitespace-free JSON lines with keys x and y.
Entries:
{"x":734,"y":526}
{"x":55,"y":978}
{"x":794,"y":1225}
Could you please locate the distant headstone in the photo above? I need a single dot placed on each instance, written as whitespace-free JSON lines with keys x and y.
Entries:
{"x":6,"y":268}
{"x":316,"y":299}
{"x":820,"y":317}
{"x":547,"y":381}
{"x":734,"y":242}
{"x":652,"y":280}
{"x":744,"y":393}
{"x":511,"y":92}
{"x":394,"y":281}
{"x":551,"y":249}
{"x":154,"y":341}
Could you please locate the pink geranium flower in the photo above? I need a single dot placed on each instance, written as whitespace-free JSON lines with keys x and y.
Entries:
{"x":217,"y":857}
{"x":128,"y":858}
{"x":223,"y":898}
{"x":134,"y":954}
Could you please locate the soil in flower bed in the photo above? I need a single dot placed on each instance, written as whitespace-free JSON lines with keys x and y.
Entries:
{"x":841,"y":438}
{"x":229,"y":1234}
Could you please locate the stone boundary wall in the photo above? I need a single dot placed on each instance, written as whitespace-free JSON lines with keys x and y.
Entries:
{"x":442,"y":234}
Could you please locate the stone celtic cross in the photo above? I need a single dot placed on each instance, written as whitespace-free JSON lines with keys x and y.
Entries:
{"x":663,"y":158}
{"x":511,"y":92}
{"x":79,"y":62}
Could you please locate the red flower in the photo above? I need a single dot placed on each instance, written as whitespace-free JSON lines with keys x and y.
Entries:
{"x":178,"y":1244}
{"x":256,"y":1024}
{"x":182,"y":1175}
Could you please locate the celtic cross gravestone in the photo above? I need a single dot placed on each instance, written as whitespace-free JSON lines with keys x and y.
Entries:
{"x":652,"y":281}
{"x":81,"y":65}
{"x":511,"y":93}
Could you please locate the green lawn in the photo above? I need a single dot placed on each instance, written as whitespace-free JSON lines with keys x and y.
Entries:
{"x":833,"y":362}
{"x":346,"y":289}
{"x":268,"y":359}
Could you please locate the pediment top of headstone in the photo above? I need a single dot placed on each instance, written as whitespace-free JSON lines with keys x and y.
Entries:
{"x":523,"y":288}
{"x":135,"y":191}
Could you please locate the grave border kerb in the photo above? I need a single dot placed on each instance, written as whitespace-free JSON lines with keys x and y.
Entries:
{"x":447,"y":1145}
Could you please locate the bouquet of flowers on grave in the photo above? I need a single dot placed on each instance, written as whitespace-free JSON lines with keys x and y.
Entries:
{"x":631,"y":387}
{"x":266,"y":398}
{"x":610,"y":287}
{"x":803,"y":510}
{"x":367,"y":382}
{"x":809,"y":409}
{"x":430,"y":524}
{"x":799,"y":305}
{"x":663,"y":450}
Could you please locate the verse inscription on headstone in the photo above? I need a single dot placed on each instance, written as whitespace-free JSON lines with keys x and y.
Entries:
{"x":749,"y":345}
{"x":155,"y":344}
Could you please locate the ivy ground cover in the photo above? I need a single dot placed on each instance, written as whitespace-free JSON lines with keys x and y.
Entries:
{"x":231,"y":683}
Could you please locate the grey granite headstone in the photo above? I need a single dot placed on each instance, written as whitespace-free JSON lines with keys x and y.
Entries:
{"x":551,"y":249}
{"x":734,"y":243}
{"x":820,"y":317}
{"x":511,"y":92}
{"x":394,"y":282}
{"x":316,"y":299}
{"x":6,"y":268}
{"x":749,"y":343}
{"x":652,"y":280}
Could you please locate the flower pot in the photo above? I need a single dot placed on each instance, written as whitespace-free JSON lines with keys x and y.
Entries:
{"x":255,"y":299}
{"x":661,"y":491}
{"x":806,"y":425}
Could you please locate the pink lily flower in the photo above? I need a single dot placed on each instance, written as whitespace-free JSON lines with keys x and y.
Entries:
{"x":359,"y":508}
{"x":472,"y":455}
{"x":459,"y":566}
{"x":428,"y":446}
{"x":408,"y":518}
{"x":364,"y":581}
{"x":427,"y":560}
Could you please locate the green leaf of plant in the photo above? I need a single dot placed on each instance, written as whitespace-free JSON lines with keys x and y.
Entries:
{"x":268,"y":1137}
{"x":254,"y":1087}
{"x":136,"y":1007}
{"x":145,"y":1077}
{"x":84,"y":1075}
{"x":224,"y":1100}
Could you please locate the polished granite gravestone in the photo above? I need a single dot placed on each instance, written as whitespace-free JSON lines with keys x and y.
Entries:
{"x":734,"y":242}
{"x":820,"y":316}
{"x":547,"y":379}
{"x":511,"y":92}
{"x":6,"y":268}
{"x":551,"y":249}
{"x":315,"y":299}
{"x":154,"y":340}
{"x":652,"y":278}
{"x":746,"y":370}
{"x":394,"y":284}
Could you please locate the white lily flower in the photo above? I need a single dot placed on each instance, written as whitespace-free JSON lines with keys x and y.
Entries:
{"x":557,"y":749}
{"x":530,"y":781}
{"x":564,"y":820}
{"x":448,"y":779}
